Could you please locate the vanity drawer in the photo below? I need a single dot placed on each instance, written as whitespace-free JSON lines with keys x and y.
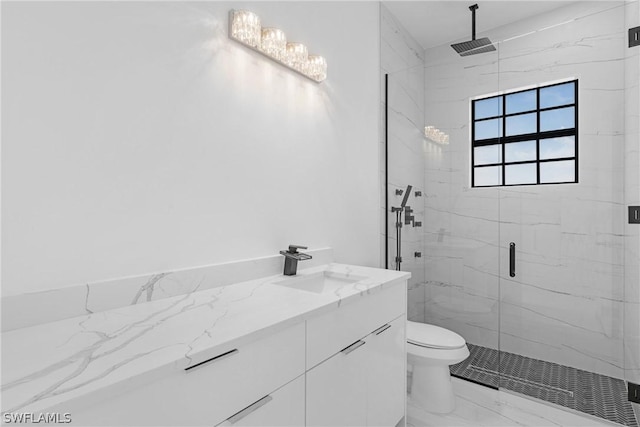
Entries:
{"x":335,"y":330}
{"x":284,"y":408}
{"x":207,"y":394}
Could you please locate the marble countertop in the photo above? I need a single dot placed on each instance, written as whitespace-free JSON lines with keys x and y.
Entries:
{"x":57,"y":362}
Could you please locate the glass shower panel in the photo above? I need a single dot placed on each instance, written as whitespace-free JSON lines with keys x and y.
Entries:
{"x":632,"y":198}
{"x":461,"y":245}
{"x":561,"y":302}
{"x":403,"y":98}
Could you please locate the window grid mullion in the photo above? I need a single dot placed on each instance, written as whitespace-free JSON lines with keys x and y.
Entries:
{"x":538,"y":139}
{"x":538,"y":136}
{"x":520,"y":113}
{"x":575,"y":125}
{"x":473,"y":138}
{"x":504,"y":132}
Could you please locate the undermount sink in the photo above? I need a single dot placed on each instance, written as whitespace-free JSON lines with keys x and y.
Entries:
{"x":319,"y":282}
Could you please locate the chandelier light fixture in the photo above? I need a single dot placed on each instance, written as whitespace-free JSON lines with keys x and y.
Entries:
{"x":245,"y":28}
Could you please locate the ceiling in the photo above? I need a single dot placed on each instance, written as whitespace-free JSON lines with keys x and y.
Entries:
{"x":433,"y":23}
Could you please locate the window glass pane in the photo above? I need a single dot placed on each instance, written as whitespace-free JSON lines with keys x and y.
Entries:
{"x":557,"y":95}
{"x":553,"y":148}
{"x":487,"y":154}
{"x":520,"y":151}
{"x":522,"y":129}
{"x":562,"y":171}
{"x":520,"y":174}
{"x":518,"y":125}
{"x":562,"y":118}
{"x":489,"y":107}
{"x":522,"y":101}
{"x":490,"y":175}
{"x":488,"y":129}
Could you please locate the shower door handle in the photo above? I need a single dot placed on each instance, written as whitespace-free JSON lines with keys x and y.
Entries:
{"x":512,"y":259}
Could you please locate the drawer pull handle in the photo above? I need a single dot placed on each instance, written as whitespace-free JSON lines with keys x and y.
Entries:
{"x":381,"y":329}
{"x":353,"y":347}
{"x":249,"y":409}
{"x":218,"y":357}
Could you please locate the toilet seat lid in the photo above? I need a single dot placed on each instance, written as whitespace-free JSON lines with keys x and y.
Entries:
{"x":431,"y":336}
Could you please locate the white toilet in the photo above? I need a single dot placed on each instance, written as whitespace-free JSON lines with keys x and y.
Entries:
{"x":430,"y":350}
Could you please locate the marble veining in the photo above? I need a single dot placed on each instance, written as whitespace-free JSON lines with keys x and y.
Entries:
{"x":402,"y":58}
{"x":53,"y":363}
{"x":566,"y":302}
{"x":19,"y":311}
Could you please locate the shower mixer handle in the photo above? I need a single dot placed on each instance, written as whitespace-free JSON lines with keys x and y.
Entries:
{"x":408,"y":218}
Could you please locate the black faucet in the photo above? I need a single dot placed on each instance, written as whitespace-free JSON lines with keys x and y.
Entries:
{"x":291,"y":258}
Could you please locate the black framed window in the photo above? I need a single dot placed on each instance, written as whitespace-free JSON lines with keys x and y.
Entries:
{"x":526,"y":137}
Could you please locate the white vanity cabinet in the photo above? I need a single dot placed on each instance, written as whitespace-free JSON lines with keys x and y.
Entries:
{"x":363,"y":383}
{"x":283,"y":408}
{"x":343,"y":367}
{"x":387,"y":372}
{"x":337,"y":389}
{"x":209,"y":393}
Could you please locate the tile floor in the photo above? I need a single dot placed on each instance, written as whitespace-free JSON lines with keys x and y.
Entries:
{"x":584,"y":391}
{"x":482,"y":406}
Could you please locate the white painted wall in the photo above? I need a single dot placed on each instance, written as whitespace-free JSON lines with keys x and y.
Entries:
{"x":137,"y":137}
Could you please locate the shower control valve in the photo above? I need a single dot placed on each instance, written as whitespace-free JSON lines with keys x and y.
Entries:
{"x":408,"y":218}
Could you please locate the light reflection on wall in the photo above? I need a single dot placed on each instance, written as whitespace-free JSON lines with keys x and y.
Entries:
{"x":436,"y":135}
{"x":435,"y":141}
{"x":254,"y":80}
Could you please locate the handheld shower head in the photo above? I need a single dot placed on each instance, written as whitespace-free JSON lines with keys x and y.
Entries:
{"x":406,"y":196}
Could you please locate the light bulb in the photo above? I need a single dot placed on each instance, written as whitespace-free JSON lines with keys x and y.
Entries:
{"x":246,"y":27}
{"x":274,"y":43}
{"x":296,"y":56}
{"x":317,"y":67}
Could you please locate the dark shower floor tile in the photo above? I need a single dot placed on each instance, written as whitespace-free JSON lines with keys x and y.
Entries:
{"x":584,"y":391}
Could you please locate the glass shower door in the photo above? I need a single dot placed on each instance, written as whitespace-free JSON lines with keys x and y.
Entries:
{"x":562,"y":218}
{"x":461,"y":222}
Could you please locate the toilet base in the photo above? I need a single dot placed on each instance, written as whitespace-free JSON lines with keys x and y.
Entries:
{"x":431,"y":388}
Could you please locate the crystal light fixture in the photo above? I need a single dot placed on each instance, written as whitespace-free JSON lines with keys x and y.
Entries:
{"x":274,"y":43}
{"x":245,"y":28}
{"x":297,"y":56}
{"x":317,"y":67}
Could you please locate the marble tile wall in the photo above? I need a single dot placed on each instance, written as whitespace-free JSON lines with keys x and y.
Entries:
{"x":632,"y":197}
{"x":462,"y":228}
{"x":24,"y":310}
{"x":565,"y":305}
{"x":403,"y":60}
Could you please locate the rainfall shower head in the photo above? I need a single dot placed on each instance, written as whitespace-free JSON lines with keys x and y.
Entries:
{"x":473,"y":46}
